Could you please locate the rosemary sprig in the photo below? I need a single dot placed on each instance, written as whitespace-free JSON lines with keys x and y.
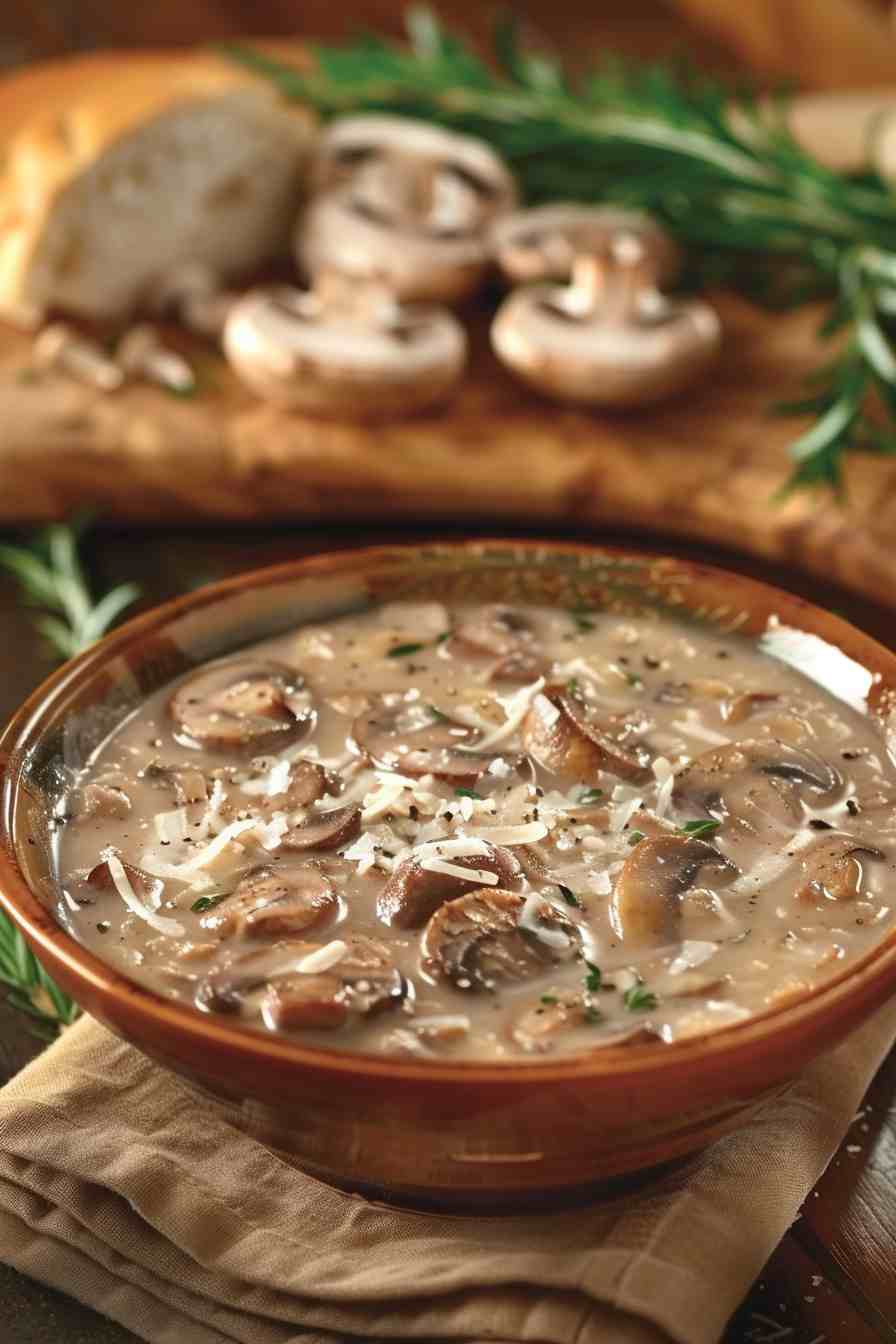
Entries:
{"x":52,"y":579}
{"x":724,"y":174}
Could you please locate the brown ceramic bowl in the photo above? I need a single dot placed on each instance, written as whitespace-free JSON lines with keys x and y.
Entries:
{"x":442,"y":1132}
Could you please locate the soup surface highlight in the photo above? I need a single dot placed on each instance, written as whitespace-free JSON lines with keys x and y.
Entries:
{"x":485,"y":832}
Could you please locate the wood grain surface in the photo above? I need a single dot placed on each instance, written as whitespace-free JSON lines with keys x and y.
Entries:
{"x":704,"y":466}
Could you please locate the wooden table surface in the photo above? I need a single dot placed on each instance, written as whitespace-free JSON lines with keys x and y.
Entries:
{"x":832,"y":1279}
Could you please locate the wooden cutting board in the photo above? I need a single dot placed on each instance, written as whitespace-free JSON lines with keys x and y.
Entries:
{"x":704,"y":466}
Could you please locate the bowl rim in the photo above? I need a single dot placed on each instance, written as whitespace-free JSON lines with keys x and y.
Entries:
{"x":871,"y":977}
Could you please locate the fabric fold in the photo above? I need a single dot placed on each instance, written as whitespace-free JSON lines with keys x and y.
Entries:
{"x":121,"y":1187}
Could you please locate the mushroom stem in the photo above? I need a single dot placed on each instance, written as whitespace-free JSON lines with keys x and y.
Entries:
{"x":61,"y":347}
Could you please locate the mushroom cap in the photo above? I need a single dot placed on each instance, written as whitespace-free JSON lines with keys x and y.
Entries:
{"x":483,"y":938}
{"x":833,"y":868}
{"x":413,"y":892}
{"x":542,"y":243}
{"x":382,"y":735}
{"x":582,"y":358}
{"x":240,"y":704}
{"x":761,"y":777}
{"x":325,"y":830}
{"x":645,"y":906}
{"x":406,"y":201}
{"x":577,"y":743}
{"x":289,"y":349}
{"x":274,"y":902}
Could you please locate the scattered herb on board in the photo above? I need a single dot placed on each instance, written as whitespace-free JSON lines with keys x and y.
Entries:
{"x":569,"y":896}
{"x":717,"y":165}
{"x":53,"y":581}
{"x":700,"y":828}
{"x":404,"y":650}
{"x":582,"y":618}
{"x":639,"y":999}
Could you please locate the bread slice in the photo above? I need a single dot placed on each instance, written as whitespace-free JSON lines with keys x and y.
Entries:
{"x":117,"y":169}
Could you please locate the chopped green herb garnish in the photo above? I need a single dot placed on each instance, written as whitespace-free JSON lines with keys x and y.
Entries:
{"x":206,"y":902}
{"x":638,"y":999}
{"x":590,"y":795}
{"x":467,"y":793}
{"x":569,"y":896}
{"x":700,"y":827}
{"x":583,"y":622}
{"x":591,"y":1014}
{"x":633,"y":679}
{"x":440,"y":639}
{"x":572,"y":686}
{"x":549,"y":1000}
{"x":403,"y":650}
{"x":635,"y":837}
{"x":593,"y":978}
{"x":437,"y":714}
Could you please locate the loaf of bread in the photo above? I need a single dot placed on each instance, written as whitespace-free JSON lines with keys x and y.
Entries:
{"x":119,"y":168}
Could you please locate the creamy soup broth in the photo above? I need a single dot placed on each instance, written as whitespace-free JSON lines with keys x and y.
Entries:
{"x":485,"y":832}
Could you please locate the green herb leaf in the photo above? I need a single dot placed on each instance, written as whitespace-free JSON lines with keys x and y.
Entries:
{"x":582,"y":618}
{"x":437,"y":714}
{"x":440,"y":639}
{"x":635,"y":837}
{"x":549,"y":1000}
{"x":404,"y":650}
{"x":572,"y":686}
{"x":569,"y":896}
{"x":633,"y":679}
{"x":593,"y":978}
{"x":707,"y":827}
{"x":467,"y":793}
{"x":207,"y":902}
{"x":590,"y":795}
{"x":639,"y":999}
{"x":52,"y":579}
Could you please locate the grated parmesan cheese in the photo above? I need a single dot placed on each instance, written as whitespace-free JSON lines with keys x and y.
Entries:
{"x":555,"y":938}
{"x":362,"y":852}
{"x":515,"y":707}
{"x":480,"y":875}
{"x":548,"y":713}
{"x":693,"y":953}
{"x":323,"y":958}
{"x":384,"y":798}
{"x":217,"y":846}
{"x":622,"y":813}
{"x":525,"y":834}
{"x":172,"y":927}
{"x":275,"y":781}
{"x":171,"y":826}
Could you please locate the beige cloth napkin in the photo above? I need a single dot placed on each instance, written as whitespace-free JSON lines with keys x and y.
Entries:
{"x":121,"y":1188}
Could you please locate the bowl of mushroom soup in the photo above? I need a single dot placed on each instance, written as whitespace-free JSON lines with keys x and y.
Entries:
{"x":467,"y":873}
